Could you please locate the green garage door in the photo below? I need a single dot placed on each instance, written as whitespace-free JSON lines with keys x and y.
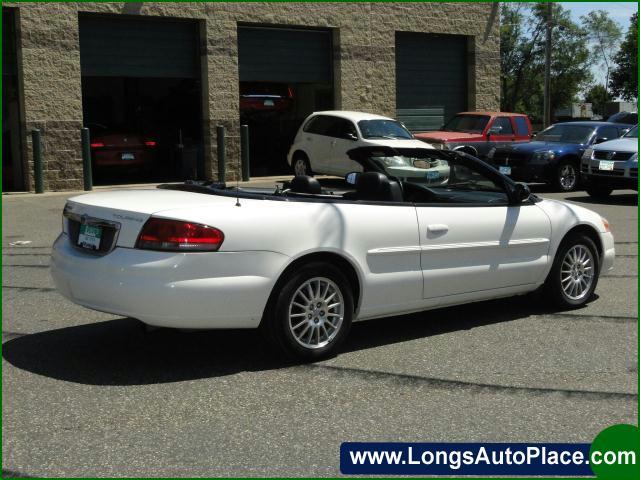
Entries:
{"x":125,"y":47}
{"x":431,"y":77}
{"x":284,"y":55}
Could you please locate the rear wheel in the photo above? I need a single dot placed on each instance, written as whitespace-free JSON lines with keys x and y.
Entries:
{"x":301,"y":165}
{"x":566,"y":176}
{"x":311,"y":314}
{"x":574,"y":274}
{"x":599,"y":191}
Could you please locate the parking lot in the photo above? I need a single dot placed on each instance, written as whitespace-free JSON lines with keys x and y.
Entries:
{"x":92,"y":394}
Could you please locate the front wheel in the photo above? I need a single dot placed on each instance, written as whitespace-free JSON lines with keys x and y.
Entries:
{"x":312,"y":313}
{"x":574,"y":274}
{"x":567,"y":176}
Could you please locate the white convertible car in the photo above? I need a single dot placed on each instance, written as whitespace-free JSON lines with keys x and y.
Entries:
{"x":302,"y":262}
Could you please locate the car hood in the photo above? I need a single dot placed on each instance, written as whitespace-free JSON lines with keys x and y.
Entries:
{"x":532,"y":147}
{"x":619,"y":144}
{"x":409,"y":143}
{"x":442,"y":137}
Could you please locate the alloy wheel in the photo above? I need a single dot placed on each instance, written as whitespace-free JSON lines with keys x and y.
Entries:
{"x":568,"y":176}
{"x":300,"y":167}
{"x":577,"y":272}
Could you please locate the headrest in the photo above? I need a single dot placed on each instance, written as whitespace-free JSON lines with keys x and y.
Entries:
{"x":376,"y":186}
{"x":305,"y":184}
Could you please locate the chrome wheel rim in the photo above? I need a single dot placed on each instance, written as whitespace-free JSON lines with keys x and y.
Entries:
{"x":567,"y":176}
{"x":300,"y":167}
{"x":577,"y":272}
{"x":316,"y":312}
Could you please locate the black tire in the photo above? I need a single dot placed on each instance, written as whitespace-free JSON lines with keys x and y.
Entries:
{"x":599,"y":191}
{"x":276,"y":322}
{"x":300,"y":165}
{"x":553,"y":287}
{"x":564,"y":172}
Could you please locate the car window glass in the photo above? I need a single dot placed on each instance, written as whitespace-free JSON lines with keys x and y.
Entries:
{"x":467,"y":123}
{"x":521,"y":126}
{"x":505,"y":123}
{"x":379,"y":128}
{"x":318,"y":125}
{"x":567,"y":133}
{"x":341,"y":128}
{"x":608,"y":132}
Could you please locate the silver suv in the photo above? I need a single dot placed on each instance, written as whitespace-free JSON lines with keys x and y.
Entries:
{"x":611,"y":165}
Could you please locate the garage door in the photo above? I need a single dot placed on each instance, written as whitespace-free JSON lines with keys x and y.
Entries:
{"x":284,"y":55}
{"x":123,"y":47}
{"x":431,"y":75}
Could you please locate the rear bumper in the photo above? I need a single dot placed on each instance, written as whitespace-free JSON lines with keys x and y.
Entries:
{"x":167,"y":289}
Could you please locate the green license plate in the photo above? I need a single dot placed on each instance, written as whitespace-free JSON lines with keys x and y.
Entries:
{"x":89,"y":237}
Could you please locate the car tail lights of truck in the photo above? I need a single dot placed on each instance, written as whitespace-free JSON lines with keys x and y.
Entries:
{"x":175,"y":235}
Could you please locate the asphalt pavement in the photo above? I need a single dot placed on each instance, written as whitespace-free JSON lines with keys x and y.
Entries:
{"x":91,"y":394}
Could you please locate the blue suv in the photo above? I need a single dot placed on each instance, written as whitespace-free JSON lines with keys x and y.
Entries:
{"x":553,"y":156}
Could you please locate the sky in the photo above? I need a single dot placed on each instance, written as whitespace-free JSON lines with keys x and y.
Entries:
{"x":619,"y":11}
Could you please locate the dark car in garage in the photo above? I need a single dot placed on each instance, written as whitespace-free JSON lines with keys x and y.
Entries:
{"x":114,"y":150}
{"x":553,"y":156}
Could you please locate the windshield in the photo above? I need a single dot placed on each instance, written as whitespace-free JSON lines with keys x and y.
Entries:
{"x":633,"y":133}
{"x":467,"y":124}
{"x":383,"y":129}
{"x":566,"y":133}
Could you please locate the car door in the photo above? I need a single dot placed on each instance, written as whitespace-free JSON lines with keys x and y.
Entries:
{"x":343,"y":137}
{"x":522,"y":128}
{"x":507,"y":133}
{"x":473,"y":240}
{"x":317,"y":143}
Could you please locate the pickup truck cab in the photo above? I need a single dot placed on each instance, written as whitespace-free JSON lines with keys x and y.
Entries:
{"x":476,"y":133}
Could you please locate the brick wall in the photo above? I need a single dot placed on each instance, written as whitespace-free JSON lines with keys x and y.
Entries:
{"x":364,"y":56}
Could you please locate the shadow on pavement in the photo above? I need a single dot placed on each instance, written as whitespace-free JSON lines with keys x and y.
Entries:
{"x":119,"y":352}
{"x":613,"y":199}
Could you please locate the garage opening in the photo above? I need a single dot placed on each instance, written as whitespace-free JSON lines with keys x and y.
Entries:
{"x":141,"y":98}
{"x":12,"y":166}
{"x":431,"y":78}
{"x":285,"y":74}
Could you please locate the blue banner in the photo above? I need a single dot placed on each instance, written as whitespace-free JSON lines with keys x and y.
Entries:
{"x":457,"y":459}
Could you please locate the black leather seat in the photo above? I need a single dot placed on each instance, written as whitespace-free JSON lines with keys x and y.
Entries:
{"x":376,"y":187}
{"x":305,"y":184}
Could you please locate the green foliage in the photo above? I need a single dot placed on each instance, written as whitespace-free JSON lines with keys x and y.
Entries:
{"x":604,"y":35}
{"x":624,"y":75}
{"x":598,"y":96}
{"x":522,"y":38}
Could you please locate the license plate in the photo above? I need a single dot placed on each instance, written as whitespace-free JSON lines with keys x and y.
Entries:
{"x":504,"y":170}
{"x":89,"y":237}
{"x":269,"y":103}
{"x":128,"y":156}
{"x":606,"y":165}
{"x":432,"y":175}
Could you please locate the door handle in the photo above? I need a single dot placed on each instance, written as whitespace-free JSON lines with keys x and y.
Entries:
{"x":437,"y":228}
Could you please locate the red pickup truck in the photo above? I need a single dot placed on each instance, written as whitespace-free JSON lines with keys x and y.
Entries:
{"x":478,"y":132}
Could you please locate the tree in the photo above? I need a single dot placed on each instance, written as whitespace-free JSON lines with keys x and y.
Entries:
{"x":624,"y":76}
{"x":522,"y":58}
{"x":598,"y":96}
{"x":605,"y":35}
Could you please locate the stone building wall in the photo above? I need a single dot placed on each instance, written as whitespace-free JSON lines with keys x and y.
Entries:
{"x":364,"y":63}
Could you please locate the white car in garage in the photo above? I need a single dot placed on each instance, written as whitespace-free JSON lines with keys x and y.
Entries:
{"x":302,"y":263}
{"x":323,"y":140}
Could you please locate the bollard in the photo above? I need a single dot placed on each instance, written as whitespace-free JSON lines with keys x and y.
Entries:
{"x":86,"y":159}
{"x":221,"y":153}
{"x":37,"y":160}
{"x":244,"y":151}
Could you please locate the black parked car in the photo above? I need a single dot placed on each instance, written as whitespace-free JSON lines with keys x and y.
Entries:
{"x":624,"y":117}
{"x":553,"y":156}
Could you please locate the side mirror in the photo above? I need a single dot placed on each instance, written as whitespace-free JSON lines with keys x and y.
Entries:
{"x":494,"y":130}
{"x":351,"y":136}
{"x":600,"y":140}
{"x":351,"y":178}
{"x":522,"y":191}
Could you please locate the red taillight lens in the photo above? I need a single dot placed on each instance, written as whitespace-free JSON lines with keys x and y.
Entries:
{"x":150,"y":143}
{"x":96,"y":145}
{"x":290,"y":92}
{"x":174,"y":235}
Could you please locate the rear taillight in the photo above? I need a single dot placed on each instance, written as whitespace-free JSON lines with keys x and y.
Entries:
{"x":150,"y":143}
{"x":96,"y":145}
{"x":290,"y":92}
{"x":174,"y":235}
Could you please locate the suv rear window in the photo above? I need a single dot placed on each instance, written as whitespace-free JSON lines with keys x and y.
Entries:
{"x":319,"y":125}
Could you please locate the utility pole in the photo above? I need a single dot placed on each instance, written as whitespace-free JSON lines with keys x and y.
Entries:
{"x":547,"y":69}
